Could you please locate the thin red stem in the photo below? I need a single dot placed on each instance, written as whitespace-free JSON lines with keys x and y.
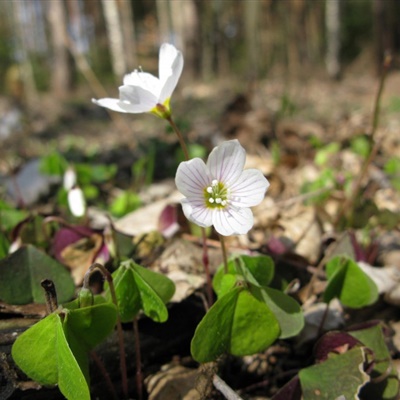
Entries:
{"x":139,"y":376}
{"x":122,"y":361}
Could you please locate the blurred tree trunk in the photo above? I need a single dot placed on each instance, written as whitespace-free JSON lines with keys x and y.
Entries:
{"x":164,"y":20}
{"x":252,"y":13}
{"x":332,"y":23}
{"x":26,"y":93}
{"x":185,"y":22}
{"x":128,"y":33}
{"x":115,"y":37}
{"x":61,"y":71}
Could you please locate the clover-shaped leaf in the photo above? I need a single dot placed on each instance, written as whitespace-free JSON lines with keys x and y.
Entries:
{"x":340,"y":375}
{"x":386,"y":386}
{"x":349,"y":283}
{"x":21,"y":273}
{"x":138,"y":288}
{"x":238,"y":323}
{"x":44,"y":354}
{"x":258,"y":270}
{"x":286,"y":310}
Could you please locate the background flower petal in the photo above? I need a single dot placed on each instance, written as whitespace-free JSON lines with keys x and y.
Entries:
{"x":233,"y":221}
{"x":226,"y":161}
{"x":145,"y":81}
{"x":249,"y":190}
{"x":112,"y":104}
{"x":169,"y":77}
{"x":136,"y":99}
{"x":196,"y":212}
{"x":192,"y":178}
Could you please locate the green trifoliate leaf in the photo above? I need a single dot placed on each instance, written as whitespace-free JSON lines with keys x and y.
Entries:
{"x":349,"y":284}
{"x":286,"y":310}
{"x":21,"y":273}
{"x":386,"y":387}
{"x":43,"y":353}
{"x":340,"y":375}
{"x":258,"y":270}
{"x":138,"y":288}
{"x":238,"y":324}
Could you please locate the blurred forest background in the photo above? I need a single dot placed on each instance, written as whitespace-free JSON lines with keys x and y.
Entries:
{"x":56,"y":46}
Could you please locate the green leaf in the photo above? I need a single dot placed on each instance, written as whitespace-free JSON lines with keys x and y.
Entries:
{"x":94,"y":173}
{"x":9,"y":218}
{"x":361,"y":146}
{"x":126,"y":202}
{"x":349,"y":284}
{"x":138,"y":288}
{"x":258,"y":270}
{"x":33,"y":351}
{"x":91,"y":324}
{"x":339,"y":375}
{"x":238,"y":324}
{"x":387,"y":388}
{"x":53,"y":164}
{"x":323,"y":155}
{"x":22,"y":272}
{"x":153,"y":287}
{"x":286,"y":310}
{"x":127,"y":293}
{"x":4,"y":245}
{"x":42,"y":352}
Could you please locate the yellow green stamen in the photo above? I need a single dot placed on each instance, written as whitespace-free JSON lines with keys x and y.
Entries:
{"x":216,"y":195}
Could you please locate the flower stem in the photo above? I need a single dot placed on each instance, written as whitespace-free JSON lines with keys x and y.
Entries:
{"x":180,"y":137}
{"x":109,"y":279}
{"x":203,"y":230}
{"x":224,"y":255}
{"x":139,"y":376}
{"x":105,"y":374}
{"x":206,"y":263}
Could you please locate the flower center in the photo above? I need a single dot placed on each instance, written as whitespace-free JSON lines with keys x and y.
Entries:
{"x":216,"y":195}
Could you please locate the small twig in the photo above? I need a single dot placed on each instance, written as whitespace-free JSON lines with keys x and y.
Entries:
{"x":110,"y":282}
{"x":50,"y":294}
{"x":105,"y":374}
{"x":226,"y":390}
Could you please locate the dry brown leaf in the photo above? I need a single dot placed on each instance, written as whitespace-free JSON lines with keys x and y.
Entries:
{"x":173,"y":382}
{"x":80,"y":255}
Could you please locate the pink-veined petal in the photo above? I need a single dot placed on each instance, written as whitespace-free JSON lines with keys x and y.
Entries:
{"x":226,"y":162}
{"x":197,"y":212}
{"x":112,"y":104}
{"x":192,"y":178}
{"x":233,"y":221}
{"x":145,"y":81}
{"x":136,"y":99}
{"x":249,"y":190}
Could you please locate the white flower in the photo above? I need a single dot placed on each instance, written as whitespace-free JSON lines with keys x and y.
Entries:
{"x":69,"y":179}
{"x":76,"y":202}
{"x":220,"y":192}
{"x":143,"y":92}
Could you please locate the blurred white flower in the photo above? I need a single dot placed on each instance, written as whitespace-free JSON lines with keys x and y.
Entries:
{"x":220,"y":192}
{"x":143,"y":92}
{"x":76,"y":202}
{"x":69,"y":179}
